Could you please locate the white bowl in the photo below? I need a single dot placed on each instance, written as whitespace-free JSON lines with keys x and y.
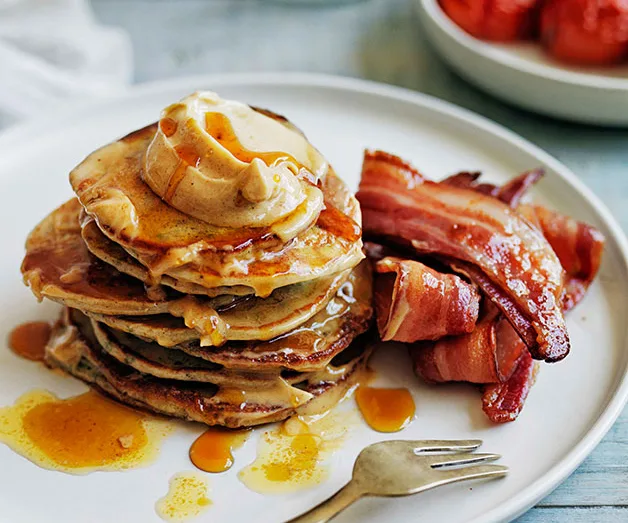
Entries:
{"x":521,"y":73}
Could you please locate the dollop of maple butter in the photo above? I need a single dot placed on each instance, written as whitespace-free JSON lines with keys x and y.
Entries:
{"x":232,"y":166}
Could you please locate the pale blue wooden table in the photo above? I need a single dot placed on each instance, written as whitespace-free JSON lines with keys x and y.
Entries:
{"x":382,"y":40}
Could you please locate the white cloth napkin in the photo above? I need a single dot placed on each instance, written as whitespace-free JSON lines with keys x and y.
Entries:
{"x":53,"y":51}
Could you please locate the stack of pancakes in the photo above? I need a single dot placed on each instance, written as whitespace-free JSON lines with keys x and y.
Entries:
{"x":166,"y":312}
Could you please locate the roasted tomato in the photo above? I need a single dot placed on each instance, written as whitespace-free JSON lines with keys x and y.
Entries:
{"x":587,"y":32}
{"x":497,"y":20}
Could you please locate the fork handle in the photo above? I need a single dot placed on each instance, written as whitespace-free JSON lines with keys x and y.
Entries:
{"x":331,"y":507}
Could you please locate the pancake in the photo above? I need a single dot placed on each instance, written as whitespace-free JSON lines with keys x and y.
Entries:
{"x":169,"y":331}
{"x":165,"y":241}
{"x":106,"y":250}
{"x":73,"y":347}
{"x":308,"y":347}
{"x":164,"y":363}
{"x":59,"y":267}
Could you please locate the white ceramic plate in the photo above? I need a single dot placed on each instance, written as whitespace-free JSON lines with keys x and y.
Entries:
{"x":570,"y":408}
{"x":521,"y":73}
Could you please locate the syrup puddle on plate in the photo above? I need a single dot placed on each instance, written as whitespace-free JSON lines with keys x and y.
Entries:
{"x":80,"y":434}
{"x":29,"y":340}
{"x":385,"y":410}
{"x":186,"y":497}
{"x":212,"y":450}
{"x":291,"y":457}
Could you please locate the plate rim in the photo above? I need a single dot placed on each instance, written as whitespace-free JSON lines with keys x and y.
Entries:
{"x":487,"y":51}
{"x":536,"y":490}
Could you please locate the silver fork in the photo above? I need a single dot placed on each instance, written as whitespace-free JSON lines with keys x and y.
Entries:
{"x":400,"y":468}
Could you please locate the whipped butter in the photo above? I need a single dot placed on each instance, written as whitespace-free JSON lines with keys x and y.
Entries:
{"x":232,"y":166}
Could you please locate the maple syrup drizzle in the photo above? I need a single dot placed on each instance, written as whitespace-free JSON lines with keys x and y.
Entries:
{"x":287,"y":461}
{"x":188,"y":157}
{"x":79,"y":434}
{"x":60,"y":264}
{"x":213,"y":450}
{"x":339,"y":224}
{"x":168,"y":126}
{"x":186,"y":498}
{"x":385,"y":410}
{"x":307,"y":448}
{"x":219,"y":127}
{"x":292,"y":457}
{"x":29,"y":340}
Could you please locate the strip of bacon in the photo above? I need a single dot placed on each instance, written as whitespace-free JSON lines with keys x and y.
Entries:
{"x":489,"y":354}
{"x":499,"y":297}
{"x":414,"y":302}
{"x":480,"y":231}
{"x":510,"y":193}
{"x":469,"y":180}
{"x":579,"y":247}
{"x":502,"y":402}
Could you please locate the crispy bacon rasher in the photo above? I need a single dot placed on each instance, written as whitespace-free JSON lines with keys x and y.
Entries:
{"x":579,"y":247}
{"x":510,"y":193}
{"x":414,"y":302}
{"x":502,"y":402}
{"x":493,"y":353}
{"x":489,"y":354}
{"x":479,"y":235}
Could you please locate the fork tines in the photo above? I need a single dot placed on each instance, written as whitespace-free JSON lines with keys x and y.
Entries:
{"x":452,"y":460}
{"x":459,"y":454}
{"x":444,"y":445}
